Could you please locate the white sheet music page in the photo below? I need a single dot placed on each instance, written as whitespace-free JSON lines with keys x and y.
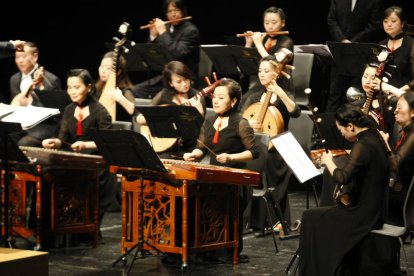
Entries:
{"x":293,"y":154}
{"x":29,"y":116}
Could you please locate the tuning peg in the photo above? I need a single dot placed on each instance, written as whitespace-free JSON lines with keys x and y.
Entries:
{"x":214,"y":76}
{"x":286,"y":75}
{"x":315,"y":109}
{"x":308,"y":91}
{"x":319,"y":120}
{"x":207,"y":80}
{"x":290,"y":67}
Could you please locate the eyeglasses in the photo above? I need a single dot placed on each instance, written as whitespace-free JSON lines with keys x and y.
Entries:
{"x":173,"y":11}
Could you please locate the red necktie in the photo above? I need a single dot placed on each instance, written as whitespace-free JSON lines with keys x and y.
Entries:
{"x":399,"y":142}
{"x":79,"y":131}
{"x":217,"y":134}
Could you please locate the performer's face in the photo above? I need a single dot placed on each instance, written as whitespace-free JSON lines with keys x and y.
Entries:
{"x":266,"y":73}
{"x":77,"y":89}
{"x":221,"y":100}
{"x":174,"y":13}
{"x":367,"y":78}
{"x":105,"y":69}
{"x":403,"y":115}
{"x":348,"y":131}
{"x":180,"y":84}
{"x":392,"y":25}
{"x":272,"y":22}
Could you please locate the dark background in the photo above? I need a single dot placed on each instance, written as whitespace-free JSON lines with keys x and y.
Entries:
{"x":71,"y":34}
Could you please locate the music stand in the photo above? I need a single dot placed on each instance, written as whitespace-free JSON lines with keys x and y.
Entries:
{"x":333,"y":138}
{"x":8,"y":151}
{"x":233,"y":59}
{"x":147,"y":57}
{"x":350,"y":58}
{"x":174,"y":121}
{"x":126,"y":148}
{"x":53,"y":98}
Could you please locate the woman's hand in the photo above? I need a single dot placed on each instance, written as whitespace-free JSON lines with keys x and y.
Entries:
{"x":52,"y":143}
{"x":224,"y":158}
{"x":257,"y":127}
{"x":326,"y":157}
{"x":189,"y":156}
{"x":78,"y":146}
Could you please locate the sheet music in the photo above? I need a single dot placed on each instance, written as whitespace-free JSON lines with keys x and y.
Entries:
{"x":295,"y":157}
{"x":27,"y":116}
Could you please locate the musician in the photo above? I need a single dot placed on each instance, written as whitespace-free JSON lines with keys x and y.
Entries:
{"x":31,"y":75}
{"x":122,"y":93}
{"x":229,"y":136}
{"x":274,"y":20}
{"x":401,"y":46}
{"x":84,"y":113}
{"x":182,"y":40}
{"x":177,"y":91}
{"x":402,"y":157}
{"x":330,"y":235}
{"x":277,"y":171}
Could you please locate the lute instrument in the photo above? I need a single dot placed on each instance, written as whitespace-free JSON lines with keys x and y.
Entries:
{"x":269,"y":116}
{"x":111,"y":83}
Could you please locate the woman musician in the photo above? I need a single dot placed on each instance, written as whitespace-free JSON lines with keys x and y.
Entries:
{"x":277,"y":172}
{"x":83,"y":114}
{"x":177,"y":91}
{"x":274,"y":20}
{"x":122,"y":93}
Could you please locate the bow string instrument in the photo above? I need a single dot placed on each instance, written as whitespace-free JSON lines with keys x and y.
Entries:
{"x":111,"y":83}
{"x":269,"y":116}
{"x":163,"y":144}
{"x":341,"y":194}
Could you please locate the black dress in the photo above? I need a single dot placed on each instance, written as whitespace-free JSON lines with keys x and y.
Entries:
{"x":237,"y":137}
{"x":402,"y":164}
{"x":329,"y":233}
{"x":98,"y":118}
{"x":278,"y":172}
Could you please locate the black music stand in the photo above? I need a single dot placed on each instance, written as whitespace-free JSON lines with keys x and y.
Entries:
{"x":53,"y":98}
{"x":9,"y":151}
{"x":174,"y":121}
{"x":233,"y":59}
{"x":147,"y":57}
{"x":350,"y":58}
{"x":127,"y":148}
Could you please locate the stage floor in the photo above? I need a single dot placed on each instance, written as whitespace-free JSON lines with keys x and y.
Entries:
{"x":85,"y":260}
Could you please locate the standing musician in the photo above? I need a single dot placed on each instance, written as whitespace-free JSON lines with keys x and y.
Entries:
{"x":30,"y":76}
{"x":229,"y":138}
{"x":122,"y":93}
{"x":84,"y":113}
{"x":274,"y":20}
{"x":401,"y":45}
{"x":182,"y":40}
{"x":330,"y":236}
{"x":177,"y":91}
{"x":278,"y":173}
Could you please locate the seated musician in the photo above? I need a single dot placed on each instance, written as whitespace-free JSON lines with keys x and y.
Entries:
{"x":330,"y":236}
{"x":278,"y":172}
{"x":81,"y":115}
{"x":229,"y":137}
{"x":30,"y":76}
{"x":177,"y":91}
{"x":370,"y":85}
